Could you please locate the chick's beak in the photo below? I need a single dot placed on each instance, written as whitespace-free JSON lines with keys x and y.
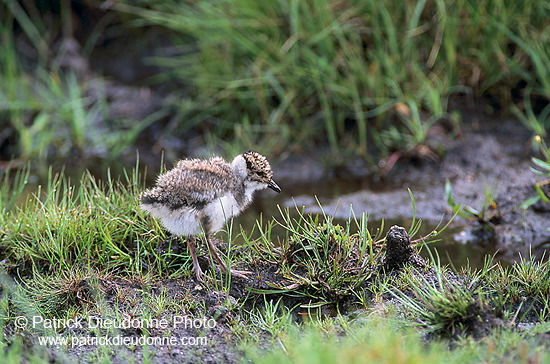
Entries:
{"x":274,"y":186}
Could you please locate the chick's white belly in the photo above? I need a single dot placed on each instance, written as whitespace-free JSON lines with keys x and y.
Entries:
{"x":183,"y":222}
{"x":221,"y":210}
{"x":187,"y":221}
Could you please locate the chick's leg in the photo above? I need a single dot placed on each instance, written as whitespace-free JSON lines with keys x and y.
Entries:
{"x":223,"y":267}
{"x":196,"y":267}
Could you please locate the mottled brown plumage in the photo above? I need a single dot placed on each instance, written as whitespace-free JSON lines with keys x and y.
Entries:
{"x":193,"y":182}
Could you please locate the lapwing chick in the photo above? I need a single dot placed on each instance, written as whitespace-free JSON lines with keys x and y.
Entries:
{"x":199,"y":195}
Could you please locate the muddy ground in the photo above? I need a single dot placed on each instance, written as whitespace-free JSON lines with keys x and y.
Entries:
{"x":490,"y":156}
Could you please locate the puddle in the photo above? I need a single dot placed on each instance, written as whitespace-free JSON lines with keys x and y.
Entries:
{"x":336,"y":199}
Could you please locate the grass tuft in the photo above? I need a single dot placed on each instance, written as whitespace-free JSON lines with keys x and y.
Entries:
{"x":88,"y":225}
{"x":321,"y":260}
{"x":445,"y":304}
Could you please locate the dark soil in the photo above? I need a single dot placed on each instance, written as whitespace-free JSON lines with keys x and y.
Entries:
{"x":124,"y":298}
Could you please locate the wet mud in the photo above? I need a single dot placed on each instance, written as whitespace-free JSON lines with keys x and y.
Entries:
{"x":488,"y":167}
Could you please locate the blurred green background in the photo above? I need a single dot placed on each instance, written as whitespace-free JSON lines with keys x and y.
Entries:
{"x":88,"y":81}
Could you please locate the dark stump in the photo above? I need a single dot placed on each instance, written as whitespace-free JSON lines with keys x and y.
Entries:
{"x":399,"y":251}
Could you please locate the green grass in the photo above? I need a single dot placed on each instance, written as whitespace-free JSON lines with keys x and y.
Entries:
{"x":381,"y":340}
{"x":524,"y":286}
{"x":76,"y":249}
{"x":281,"y":76}
{"x":60,"y":238}
{"x":478,"y":310}
{"x":321,"y":260}
{"x":487,"y":215}
{"x":370,"y":76}
{"x":48,"y":111}
{"x":88,"y":225}
{"x":472,"y":304}
{"x":373,"y":340}
{"x":447,"y":305}
{"x":542,"y":169}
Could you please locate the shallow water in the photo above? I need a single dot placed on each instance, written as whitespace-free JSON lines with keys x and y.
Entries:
{"x":267,"y":204}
